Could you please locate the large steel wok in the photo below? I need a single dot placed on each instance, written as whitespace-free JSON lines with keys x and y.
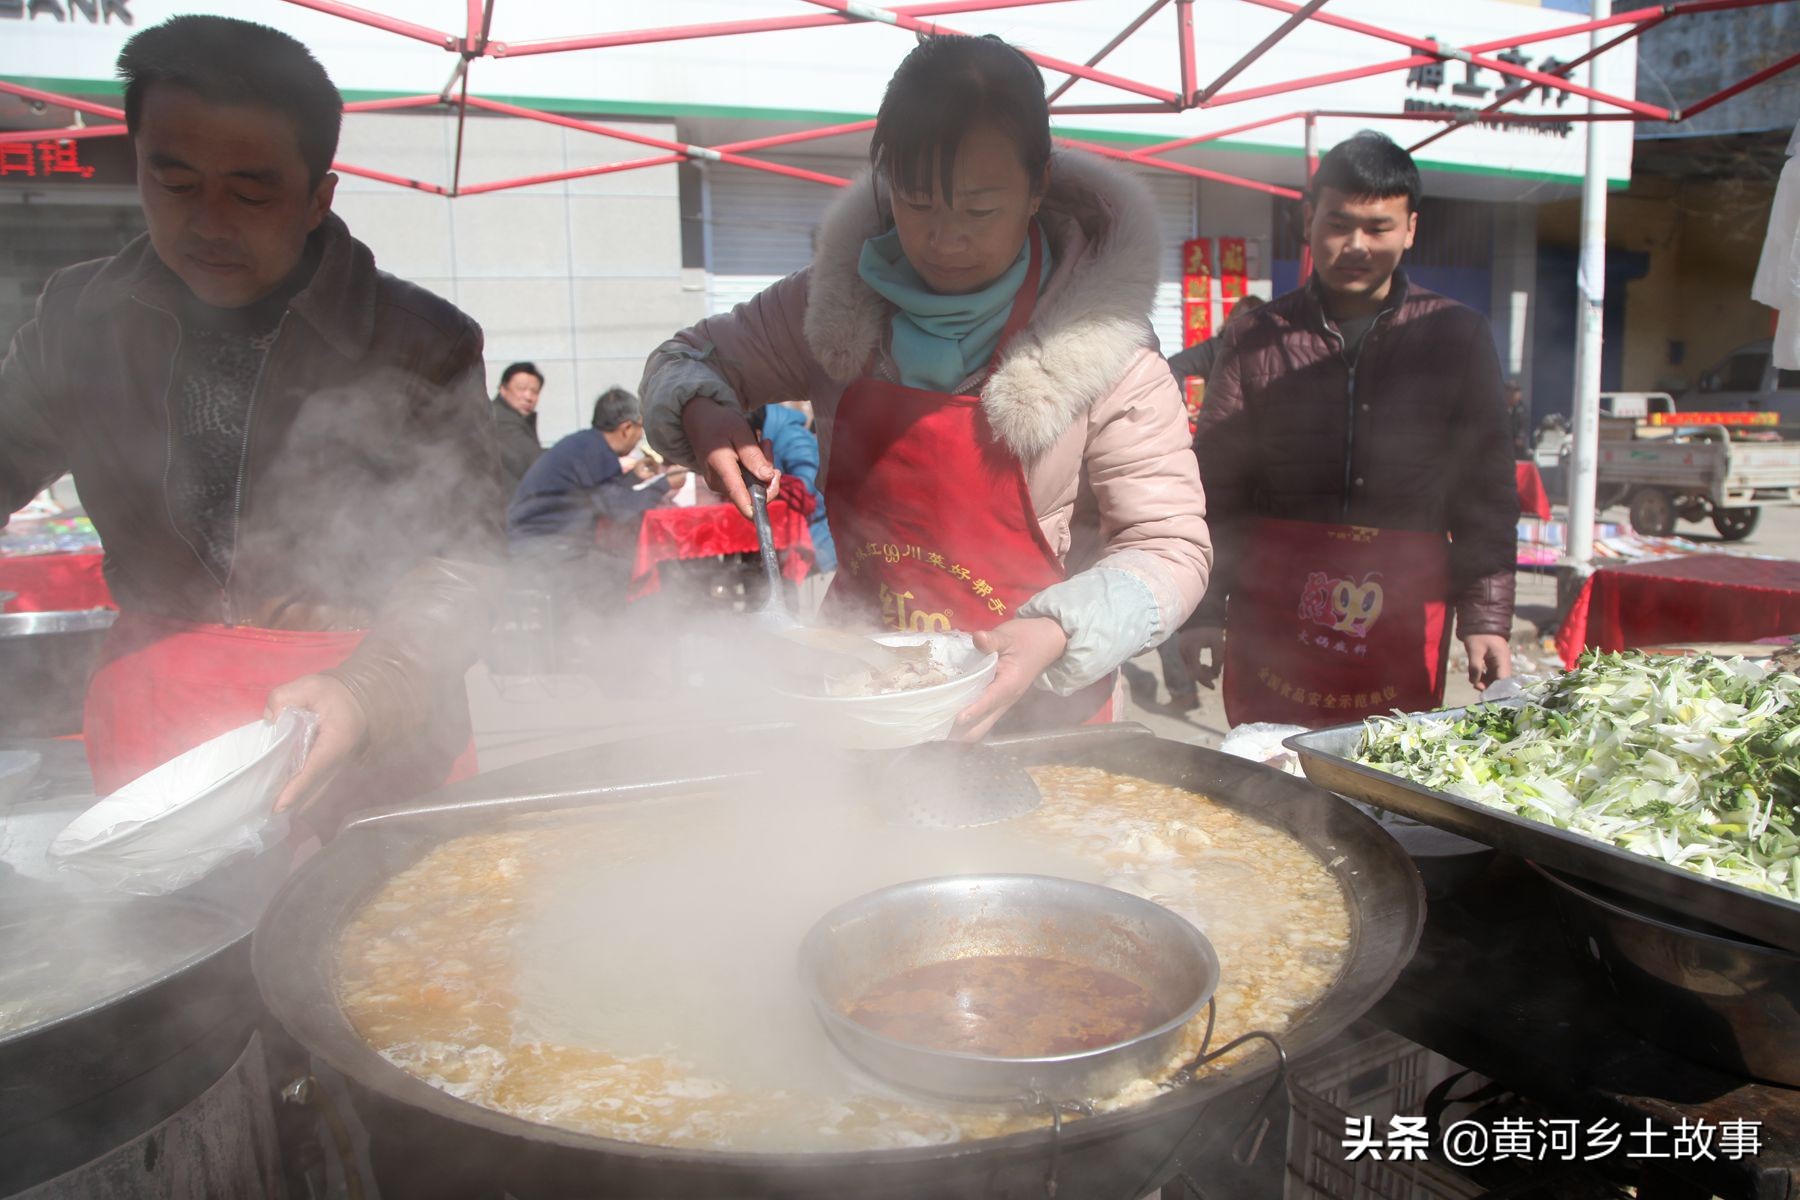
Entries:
{"x":134,"y":1005}
{"x":425,"y":1142}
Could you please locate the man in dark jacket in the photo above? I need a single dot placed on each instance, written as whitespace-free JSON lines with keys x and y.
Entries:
{"x":1356,"y":455}
{"x":286,"y":452}
{"x":515,"y":421}
{"x":577,"y":490}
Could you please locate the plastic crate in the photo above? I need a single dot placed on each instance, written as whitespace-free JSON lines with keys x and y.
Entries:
{"x":1377,"y":1075}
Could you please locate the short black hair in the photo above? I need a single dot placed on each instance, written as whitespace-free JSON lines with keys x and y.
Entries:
{"x":227,"y":61}
{"x":944,"y":87}
{"x":1369,"y":165}
{"x":615,"y":407}
{"x":521,"y":368}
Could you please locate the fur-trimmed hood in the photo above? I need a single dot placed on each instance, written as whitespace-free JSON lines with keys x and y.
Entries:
{"x":1092,"y":319}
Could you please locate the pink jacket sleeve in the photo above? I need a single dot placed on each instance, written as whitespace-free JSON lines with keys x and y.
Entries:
{"x":1142,"y":470}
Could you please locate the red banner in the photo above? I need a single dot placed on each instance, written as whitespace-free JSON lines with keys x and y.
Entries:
{"x":1196,"y":271}
{"x":1234,"y":276}
{"x":1716,"y":418}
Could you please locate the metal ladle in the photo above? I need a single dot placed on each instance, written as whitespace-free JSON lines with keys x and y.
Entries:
{"x":833,"y":652}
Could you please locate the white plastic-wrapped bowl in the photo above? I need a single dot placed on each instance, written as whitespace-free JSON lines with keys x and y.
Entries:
{"x":904,"y":718}
{"x":166,"y":829}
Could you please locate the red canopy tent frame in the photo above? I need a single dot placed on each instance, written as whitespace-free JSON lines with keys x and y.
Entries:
{"x":475,"y":43}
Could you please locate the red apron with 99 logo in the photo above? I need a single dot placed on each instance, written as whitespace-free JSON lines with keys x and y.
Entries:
{"x":934,"y":522}
{"x":1332,"y":623}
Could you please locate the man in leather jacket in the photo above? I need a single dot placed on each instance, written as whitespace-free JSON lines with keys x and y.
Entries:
{"x":1358,"y":408}
{"x":286,"y":452}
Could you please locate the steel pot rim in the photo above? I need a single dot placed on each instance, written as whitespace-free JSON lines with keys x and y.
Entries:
{"x":811,"y":950}
{"x":293,"y":943}
{"x":1709,"y":935}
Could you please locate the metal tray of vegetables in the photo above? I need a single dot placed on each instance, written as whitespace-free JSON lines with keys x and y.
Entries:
{"x":1675,"y":780}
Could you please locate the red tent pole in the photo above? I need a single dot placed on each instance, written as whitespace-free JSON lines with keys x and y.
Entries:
{"x":1694,"y":110}
{"x":805,"y":135}
{"x":914,"y":25}
{"x":31,"y":93}
{"x":643,"y":139}
{"x":61,"y":135}
{"x":1313,"y":81}
{"x":1312,"y":168}
{"x":1106,"y":151}
{"x":418,"y":185}
{"x":362,"y":16}
{"x":1184,"y":31}
{"x":1073,"y":110}
{"x":1473,"y":55}
{"x":1155,"y":7}
{"x":501,"y":185}
{"x":1215,"y":135}
{"x":1419,"y":60}
{"x":1257,"y":51}
{"x":676,"y":33}
{"x":363,"y":106}
{"x":1525,"y":89}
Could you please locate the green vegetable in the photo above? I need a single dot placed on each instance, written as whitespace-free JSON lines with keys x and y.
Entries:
{"x":1694,"y":761}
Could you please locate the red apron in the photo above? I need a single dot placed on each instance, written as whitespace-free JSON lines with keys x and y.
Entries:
{"x":166,"y":686}
{"x":934,"y":522}
{"x":1331,"y":623}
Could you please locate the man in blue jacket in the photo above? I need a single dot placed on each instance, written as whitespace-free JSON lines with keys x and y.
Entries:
{"x":554,"y":518}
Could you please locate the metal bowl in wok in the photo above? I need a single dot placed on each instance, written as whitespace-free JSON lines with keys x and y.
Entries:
{"x":896,"y":929}
{"x":425,"y":1142}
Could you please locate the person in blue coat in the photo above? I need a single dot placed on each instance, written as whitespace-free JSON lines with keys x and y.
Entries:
{"x":787,"y":427}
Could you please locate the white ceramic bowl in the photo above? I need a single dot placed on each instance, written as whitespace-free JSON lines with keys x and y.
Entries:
{"x":897,"y":719}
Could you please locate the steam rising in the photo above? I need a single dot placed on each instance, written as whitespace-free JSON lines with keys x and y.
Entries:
{"x":692,"y":953}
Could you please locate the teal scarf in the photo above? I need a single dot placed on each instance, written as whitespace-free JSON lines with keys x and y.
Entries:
{"x":940,"y":340}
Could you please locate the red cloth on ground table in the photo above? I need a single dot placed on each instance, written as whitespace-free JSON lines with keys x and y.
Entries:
{"x":1695,"y":598}
{"x":1533,"y":500}
{"x":708,"y":531}
{"x":55,"y":582}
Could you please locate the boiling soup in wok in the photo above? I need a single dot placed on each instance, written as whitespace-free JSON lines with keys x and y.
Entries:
{"x":627,"y":971}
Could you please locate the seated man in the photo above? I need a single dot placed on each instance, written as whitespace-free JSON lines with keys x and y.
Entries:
{"x":286,"y":452}
{"x":578,"y":490}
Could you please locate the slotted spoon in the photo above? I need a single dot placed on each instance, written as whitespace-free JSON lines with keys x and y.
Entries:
{"x":953,"y":785}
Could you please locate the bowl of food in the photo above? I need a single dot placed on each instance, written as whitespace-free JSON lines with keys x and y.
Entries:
{"x":912,"y":700}
{"x":995,"y":987}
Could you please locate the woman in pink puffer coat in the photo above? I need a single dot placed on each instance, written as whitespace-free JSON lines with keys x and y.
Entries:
{"x":974,"y":336}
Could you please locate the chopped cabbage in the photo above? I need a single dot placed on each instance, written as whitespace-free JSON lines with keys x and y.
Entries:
{"x":1694,"y":761}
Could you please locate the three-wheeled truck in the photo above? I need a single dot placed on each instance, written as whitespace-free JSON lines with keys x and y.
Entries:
{"x":1666,"y":466}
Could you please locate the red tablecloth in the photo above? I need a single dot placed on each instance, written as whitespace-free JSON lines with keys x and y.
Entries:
{"x":1695,"y":598}
{"x":1533,"y":500}
{"x":708,"y":531}
{"x":55,"y":582}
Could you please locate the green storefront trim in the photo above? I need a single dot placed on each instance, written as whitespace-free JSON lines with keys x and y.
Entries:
{"x":665,"y":111}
